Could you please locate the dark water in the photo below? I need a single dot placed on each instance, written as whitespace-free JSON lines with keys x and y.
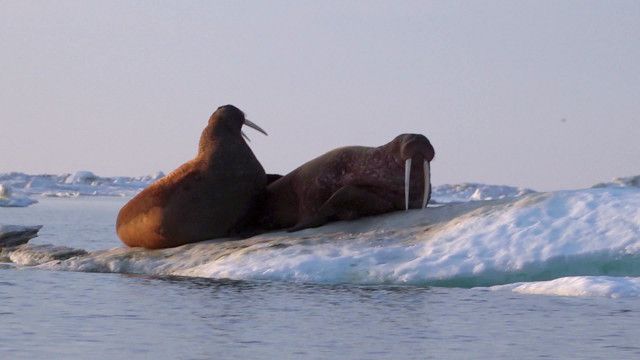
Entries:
{"x":83,"y":315}
{"x":48,"y":315}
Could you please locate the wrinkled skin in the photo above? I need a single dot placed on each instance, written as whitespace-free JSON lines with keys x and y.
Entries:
{"x":349,"y":182}
{"x":208,"y":197}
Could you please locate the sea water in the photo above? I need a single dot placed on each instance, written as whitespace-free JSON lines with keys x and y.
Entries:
{"x":317,"y":306}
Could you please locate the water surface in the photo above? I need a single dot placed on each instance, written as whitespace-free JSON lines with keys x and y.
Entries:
{"x":53,"y":314}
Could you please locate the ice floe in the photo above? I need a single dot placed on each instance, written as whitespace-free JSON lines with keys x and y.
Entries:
{"x":534,"y":238}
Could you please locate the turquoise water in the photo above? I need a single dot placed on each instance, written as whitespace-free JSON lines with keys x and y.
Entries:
{"x":49,"y":314}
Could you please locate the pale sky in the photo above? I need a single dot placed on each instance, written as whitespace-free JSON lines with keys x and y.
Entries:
{"x":542,"y":94}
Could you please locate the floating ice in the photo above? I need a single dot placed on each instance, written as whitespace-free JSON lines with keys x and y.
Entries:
{"x":537,"y":237}
{"x":569,"y":243}
{"x":82,"y":177}
{"x":82,"y":183}
{"x":8,"y":198}
{"x":30,"y":255}
{"x":13,"y":235}
{"x":602,"y":286}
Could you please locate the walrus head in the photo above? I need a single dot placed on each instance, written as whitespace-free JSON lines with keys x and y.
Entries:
{"x":410,"y":148}
{"x":230,"y":118}
{"x":227,"y":120}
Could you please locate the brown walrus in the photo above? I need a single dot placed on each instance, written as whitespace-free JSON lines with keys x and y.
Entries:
{"x":350,"y":182}
{"x":205,"y":198}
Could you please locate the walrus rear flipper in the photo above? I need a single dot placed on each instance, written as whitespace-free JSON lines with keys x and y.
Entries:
{"x":348,"y":203}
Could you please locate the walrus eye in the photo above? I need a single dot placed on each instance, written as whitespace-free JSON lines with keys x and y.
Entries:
{"x":254,"y":126}
{"x":407,"y":176}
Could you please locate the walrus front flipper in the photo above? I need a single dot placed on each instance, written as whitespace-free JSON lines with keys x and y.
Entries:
{"x":348,"y":203}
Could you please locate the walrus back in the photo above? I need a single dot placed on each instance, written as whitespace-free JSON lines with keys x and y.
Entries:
{"x":139,"y":222}
{"x":288,"y":197}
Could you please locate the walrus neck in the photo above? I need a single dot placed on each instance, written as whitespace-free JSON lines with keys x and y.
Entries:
{"x":211,"y":138}
{"x":388,"y":152}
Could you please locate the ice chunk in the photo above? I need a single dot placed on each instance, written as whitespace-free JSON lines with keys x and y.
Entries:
{"x":9,"y":198}
{"x":81,"y":177}
{"x":12,"y":235}
{"x":601,"y":286}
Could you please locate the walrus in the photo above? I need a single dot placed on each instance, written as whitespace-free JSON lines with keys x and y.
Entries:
{"x":205,"y":198}
{"x":351,"y":182}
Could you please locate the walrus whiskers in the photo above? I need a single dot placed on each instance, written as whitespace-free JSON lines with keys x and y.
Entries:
{"x":427,"y":183}
{"x":407,"y":176}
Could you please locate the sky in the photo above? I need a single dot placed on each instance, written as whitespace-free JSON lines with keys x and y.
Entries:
{"x":541,"y":94}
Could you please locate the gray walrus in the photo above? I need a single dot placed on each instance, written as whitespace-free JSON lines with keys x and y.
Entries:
{"x":205,"y":198}
{"x":350,"y":182}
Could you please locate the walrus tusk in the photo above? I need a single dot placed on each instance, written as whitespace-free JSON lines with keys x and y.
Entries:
{"x":427,"y":183}
{"x":407,"y":176}
{"x":254,"y":126}
{"x":245,"y":136}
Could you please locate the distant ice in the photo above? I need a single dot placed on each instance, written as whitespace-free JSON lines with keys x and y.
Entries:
{"x":10,"y":198}
{"x":630,"y":181}
{"x":86,"y":183}
{"x":475,"y":192}
{"x":82,"y":183}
